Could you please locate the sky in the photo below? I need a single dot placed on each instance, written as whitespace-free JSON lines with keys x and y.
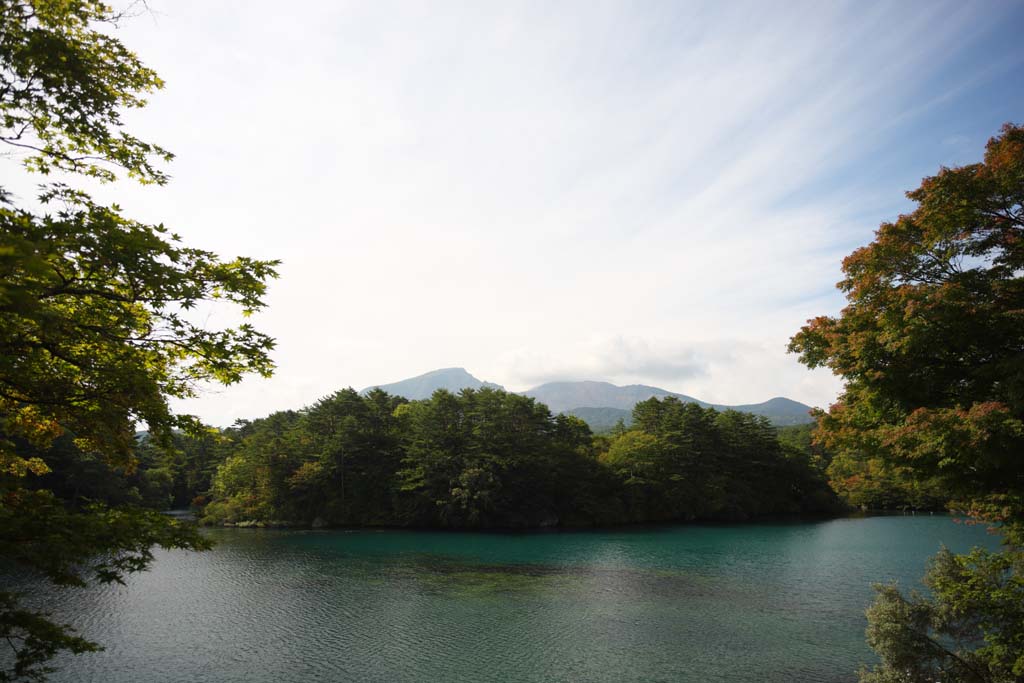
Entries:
{"x":653,"y":192}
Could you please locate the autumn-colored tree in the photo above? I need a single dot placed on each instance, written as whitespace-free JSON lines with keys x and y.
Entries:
{"x":931,"y":345}
{"x":95,"y":333}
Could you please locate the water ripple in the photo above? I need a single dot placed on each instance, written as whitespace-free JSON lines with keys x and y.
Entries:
{"x":728,"y":603}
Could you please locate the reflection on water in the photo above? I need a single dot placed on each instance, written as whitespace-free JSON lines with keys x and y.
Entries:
{"x":780,"y":602}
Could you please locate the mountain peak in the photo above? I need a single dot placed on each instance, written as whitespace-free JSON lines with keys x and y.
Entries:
{"x":423,"y":386}
{"x":447,"y":372}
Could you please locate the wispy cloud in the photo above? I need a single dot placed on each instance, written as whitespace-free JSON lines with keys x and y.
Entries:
{"x":657,"y":192}
{"x":619,"y":359}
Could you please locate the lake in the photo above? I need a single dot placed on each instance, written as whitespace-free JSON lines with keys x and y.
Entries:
{"x":754,"y":602}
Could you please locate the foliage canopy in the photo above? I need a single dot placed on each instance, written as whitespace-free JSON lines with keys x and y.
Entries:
{"x":64,"y":83}
{"x":931,"y":345}
{"x":487,"y":458}
{"x":95,"y":328}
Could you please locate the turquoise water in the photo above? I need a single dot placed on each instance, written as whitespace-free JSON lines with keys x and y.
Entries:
{"x":767,"y":602}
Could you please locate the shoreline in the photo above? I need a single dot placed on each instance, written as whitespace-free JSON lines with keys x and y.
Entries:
{"x":280,"y":525}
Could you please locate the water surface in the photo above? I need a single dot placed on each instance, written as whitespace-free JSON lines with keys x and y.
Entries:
{"x":766,"y":602}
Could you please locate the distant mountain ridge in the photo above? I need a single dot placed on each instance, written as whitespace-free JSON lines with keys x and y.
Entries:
{"x":592,"y":402}
{"x":563,"y":396}
{"x":786,"y":411}
{"x":600,"y":404}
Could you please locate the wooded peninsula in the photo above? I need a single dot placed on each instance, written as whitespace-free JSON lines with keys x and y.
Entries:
{"x":485,"y":458}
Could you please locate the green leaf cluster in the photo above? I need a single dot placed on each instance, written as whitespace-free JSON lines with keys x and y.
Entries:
{"x":64,"y":82}
{"x":968,"y":628}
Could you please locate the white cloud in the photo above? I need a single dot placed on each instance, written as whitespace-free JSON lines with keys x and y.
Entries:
{"x":534,"y":190}
{"x":695,"y":366}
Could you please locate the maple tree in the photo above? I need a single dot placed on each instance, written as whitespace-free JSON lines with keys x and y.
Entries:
{"x":95,"y":330}
{"x":931,"y":345}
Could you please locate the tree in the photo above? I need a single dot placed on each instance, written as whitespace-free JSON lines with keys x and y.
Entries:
{"x":64,"y":83}
{"x":95,"y":328}
{"x":931,"y":345}
{"x":682,"y":461}
{"x":970,"y":629}
{"x":356,"y":440}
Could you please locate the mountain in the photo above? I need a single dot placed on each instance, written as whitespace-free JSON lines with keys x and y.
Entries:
{"x":590,"y":400}
{"x":599,"y":404}
{"x":780,"y":410}
{"x":564,"y":396}
{"x":424,"y":386}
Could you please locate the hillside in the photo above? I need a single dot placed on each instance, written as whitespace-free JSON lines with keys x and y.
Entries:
{"x":602,"y":419}
{"x":780,"y":410}
{"x":590,"y":402}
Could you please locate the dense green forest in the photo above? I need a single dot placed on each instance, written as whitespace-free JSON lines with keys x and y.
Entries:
{"x":867,"y":483}
{"x":479,"y":458}
{"x":486,"y":458}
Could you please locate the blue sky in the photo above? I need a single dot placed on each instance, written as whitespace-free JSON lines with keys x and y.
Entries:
{"x":634,"y":192}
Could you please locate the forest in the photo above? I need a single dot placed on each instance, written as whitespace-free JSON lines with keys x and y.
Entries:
{"x":492,"y":459}
{"x":481,"y":458}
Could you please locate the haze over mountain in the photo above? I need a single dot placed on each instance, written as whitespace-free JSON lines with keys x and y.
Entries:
{"x":592,"y":401}
{"x":600,"y":404}
{"x":563,"y":396}
{"x":781,"y":410}
{"x":423,"y":386}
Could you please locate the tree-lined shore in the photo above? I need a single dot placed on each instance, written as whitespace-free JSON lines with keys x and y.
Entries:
{"x":477,"y":459}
